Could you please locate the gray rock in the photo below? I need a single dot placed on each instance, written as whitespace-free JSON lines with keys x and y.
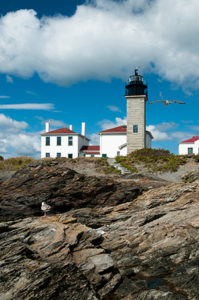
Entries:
{"x":142,"y":249}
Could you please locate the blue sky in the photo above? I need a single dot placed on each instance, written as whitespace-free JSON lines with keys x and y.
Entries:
{"x":68,"y":61}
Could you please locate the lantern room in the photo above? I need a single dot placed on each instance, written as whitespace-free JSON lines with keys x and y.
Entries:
{"x":136,"y":85}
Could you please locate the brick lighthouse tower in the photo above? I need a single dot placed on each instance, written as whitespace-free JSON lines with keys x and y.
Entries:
{"x":136,"y":96}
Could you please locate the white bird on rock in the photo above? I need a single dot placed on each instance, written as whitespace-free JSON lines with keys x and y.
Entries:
{"x":167,"y":102}
{"x":45,"y":208}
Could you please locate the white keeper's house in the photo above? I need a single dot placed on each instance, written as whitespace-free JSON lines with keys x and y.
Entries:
{"x":63,"y":142}
{"x":121,"y":140}
{"x":190,"y":146}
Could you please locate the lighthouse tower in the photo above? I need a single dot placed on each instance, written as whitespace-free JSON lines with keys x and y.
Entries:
{"x":136,"y":96}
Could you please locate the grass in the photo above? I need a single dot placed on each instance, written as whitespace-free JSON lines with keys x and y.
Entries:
{"x":15,"y":163}
{"x":151,"y":159}
{"x":102,"y":164}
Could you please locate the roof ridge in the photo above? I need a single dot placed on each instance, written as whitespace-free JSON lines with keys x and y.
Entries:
{"x":114,"y":129}
{"x":191,"y":140}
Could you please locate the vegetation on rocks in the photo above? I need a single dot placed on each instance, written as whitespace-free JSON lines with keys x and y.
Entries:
{"x":151,"y":159}
{"x":196,"y":158}
{"x":14,"y":163}
{"x":190,"y":177}
{"x":103,"y":164}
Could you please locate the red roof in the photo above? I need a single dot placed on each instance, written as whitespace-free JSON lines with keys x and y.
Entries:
{"x":91,"y":149}
{"x":119,"y":129}
{"x":192,"y":140}
{"x":61,"y":131}
{"x":92,"y":152}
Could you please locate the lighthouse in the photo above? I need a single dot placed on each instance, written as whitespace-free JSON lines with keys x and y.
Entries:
{"x":136,"y":96}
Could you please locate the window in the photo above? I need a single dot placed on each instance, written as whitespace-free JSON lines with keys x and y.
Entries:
{"x":190,"y":150}
{"x":135,"y":128}
{"x":104,"y":155}
{"x":47,"y":154}
{"x":70,"y":141}
{"x":58,"y":154}
{"x":92,"y":155}
{"x":59,"y":141}
{"x":118,"y":153}
{"x":70,"y":155}
{"x":47,"y":141}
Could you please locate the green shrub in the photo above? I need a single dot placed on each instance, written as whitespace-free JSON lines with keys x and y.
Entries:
{"x":152,"y":159}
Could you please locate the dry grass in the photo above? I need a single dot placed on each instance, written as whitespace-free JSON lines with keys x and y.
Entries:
{"x":15,"y":163}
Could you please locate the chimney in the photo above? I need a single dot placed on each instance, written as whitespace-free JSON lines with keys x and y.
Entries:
{"x":83,"y":128}
{"x":48,"y":126}
{"x":71,"y":127}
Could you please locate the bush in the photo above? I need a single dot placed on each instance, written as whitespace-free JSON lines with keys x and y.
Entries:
{"x":152,"y":159}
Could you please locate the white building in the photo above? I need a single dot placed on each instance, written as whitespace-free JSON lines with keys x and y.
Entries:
{"x":190,"y":146}
{"x":113,"y":142}
{"x":62,"y":142}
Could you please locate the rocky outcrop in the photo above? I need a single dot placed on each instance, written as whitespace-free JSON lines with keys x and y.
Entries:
{"x":142,"y":249}
{"x":62,"y":188}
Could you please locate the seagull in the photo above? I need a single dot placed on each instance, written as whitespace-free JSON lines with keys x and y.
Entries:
{"x":167,"y":102}
{"x":45,"y":208}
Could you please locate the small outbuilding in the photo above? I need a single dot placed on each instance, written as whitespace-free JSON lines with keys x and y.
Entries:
{"x":190,"y":146}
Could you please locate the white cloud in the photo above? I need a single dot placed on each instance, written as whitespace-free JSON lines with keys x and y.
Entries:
{"x":31,"y":106}
{"x":56,"y":123}
{"x":15,"y":141}
{"x":8,"y":124}
{"x":9,"y":79}
{"x":24,"y":143}
{"x":104,"y":39}
{"x":3,"y":147}
{"x":157,"y":134}
{"x":195,"y":128}
{"x":114,"y":108}
{"x":53,"y":123}
{"x":94,"y":139}
{"x":180,"y":135}
{"x":106,"y":124}
{"x":167,"y":126}
{"x":4,"y":97}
